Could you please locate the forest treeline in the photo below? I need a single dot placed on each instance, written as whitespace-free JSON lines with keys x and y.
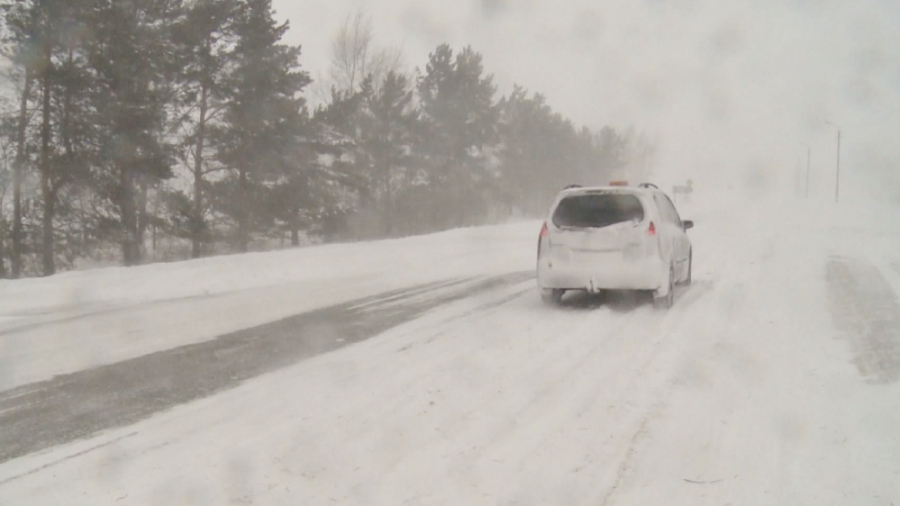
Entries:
{"x":144,"y":130}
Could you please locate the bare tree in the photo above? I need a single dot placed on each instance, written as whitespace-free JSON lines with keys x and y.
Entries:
{"x":354,"y":55}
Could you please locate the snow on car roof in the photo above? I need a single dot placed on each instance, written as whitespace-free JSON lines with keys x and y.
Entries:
{"x":594,"y":189}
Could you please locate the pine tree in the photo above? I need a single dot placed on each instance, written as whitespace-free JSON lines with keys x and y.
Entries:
{"x":129,"y":54}
{"x":204,"y":39}
{"x":7,"y":155}
{"x":460,"y":118}
{"x":262,"y":117}
{"x":522,"y":146}
{"x":389,"y":136}
{"x":38,"y":33}
{"x":345,"y":179}
{"x":541,"y":151}
{"x":22,"y":48}
{"x":612,"y":148}
{"x":19,"y":169}
{"x":75,"y":135}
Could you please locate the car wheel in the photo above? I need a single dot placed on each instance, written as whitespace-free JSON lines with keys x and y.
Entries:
{"x":687,"y":278}
{"x":552,"y":296}
{"x":668,"y":300}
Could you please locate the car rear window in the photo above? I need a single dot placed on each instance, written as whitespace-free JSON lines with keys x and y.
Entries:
{"x":597,"y":210}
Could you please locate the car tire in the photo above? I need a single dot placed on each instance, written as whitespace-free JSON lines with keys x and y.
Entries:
{"x":552,"y":296}
{"x":687,"y":278}
{"x":668,"y":300}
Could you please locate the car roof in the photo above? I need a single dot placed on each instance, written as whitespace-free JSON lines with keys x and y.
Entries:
{"x":582,"y":190}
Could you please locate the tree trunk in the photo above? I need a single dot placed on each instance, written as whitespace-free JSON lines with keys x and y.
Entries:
{"x":47,"y":250}
{"x":197,"y":226}
{"x":388,"y":201}
{"x":301,"y":195}
{"x":153,"y":223}
{"x":46,"y":183}
{"x":84,"y":225}
{"x":293,"y":219}
{"x":2,"y":259}
{"x":243,"y":235}
{"x":18,"y":177}
{"x":129,"y":221}
{"x":295,"y":226}
{"x":461,"y":195}
{"x":142,"y":217}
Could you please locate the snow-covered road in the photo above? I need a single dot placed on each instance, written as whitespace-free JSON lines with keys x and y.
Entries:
{"x":773,"y":380}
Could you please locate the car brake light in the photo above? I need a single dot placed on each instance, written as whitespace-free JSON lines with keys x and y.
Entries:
{"x":652,"y":229}
{"x":545,"y":231}
{"x":618,"y":183}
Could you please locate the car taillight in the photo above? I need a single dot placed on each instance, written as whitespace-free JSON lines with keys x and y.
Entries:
{"x":545,"y":231}
{"x":651,"y":230}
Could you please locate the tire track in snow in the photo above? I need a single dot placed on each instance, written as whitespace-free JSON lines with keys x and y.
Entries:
{"x":717,"y":281}
{"x":622,"y":402}
{"x":866,"y":310}
{"x":592,"y":375}
{"x":78,"y":405}
{"x":503,"y":430}
{"x":626,"y":463}
{"x":485,"y":440}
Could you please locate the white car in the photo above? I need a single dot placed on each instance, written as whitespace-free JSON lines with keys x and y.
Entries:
{"x":614,"y":238}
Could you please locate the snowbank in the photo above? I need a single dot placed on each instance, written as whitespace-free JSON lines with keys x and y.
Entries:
{"x":469,"y":251}
{"x":78,"y":320}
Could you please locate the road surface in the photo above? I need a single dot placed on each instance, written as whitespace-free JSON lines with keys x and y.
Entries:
{"x":773,"y":380}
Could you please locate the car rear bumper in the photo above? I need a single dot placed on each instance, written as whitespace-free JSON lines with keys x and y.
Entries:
{"x":642,"y":274}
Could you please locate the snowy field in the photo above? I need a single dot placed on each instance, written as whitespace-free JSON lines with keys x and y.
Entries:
{"x":773,"y":380}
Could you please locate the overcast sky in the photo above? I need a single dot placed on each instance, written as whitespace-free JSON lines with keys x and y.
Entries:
{"x":733,"y":89}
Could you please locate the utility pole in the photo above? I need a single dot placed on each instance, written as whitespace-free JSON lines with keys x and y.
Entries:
{"x":837,"y":176}
{"x":807,"y":170}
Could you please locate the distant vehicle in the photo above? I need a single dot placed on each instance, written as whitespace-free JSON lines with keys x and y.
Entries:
{"x":614,"y":237}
